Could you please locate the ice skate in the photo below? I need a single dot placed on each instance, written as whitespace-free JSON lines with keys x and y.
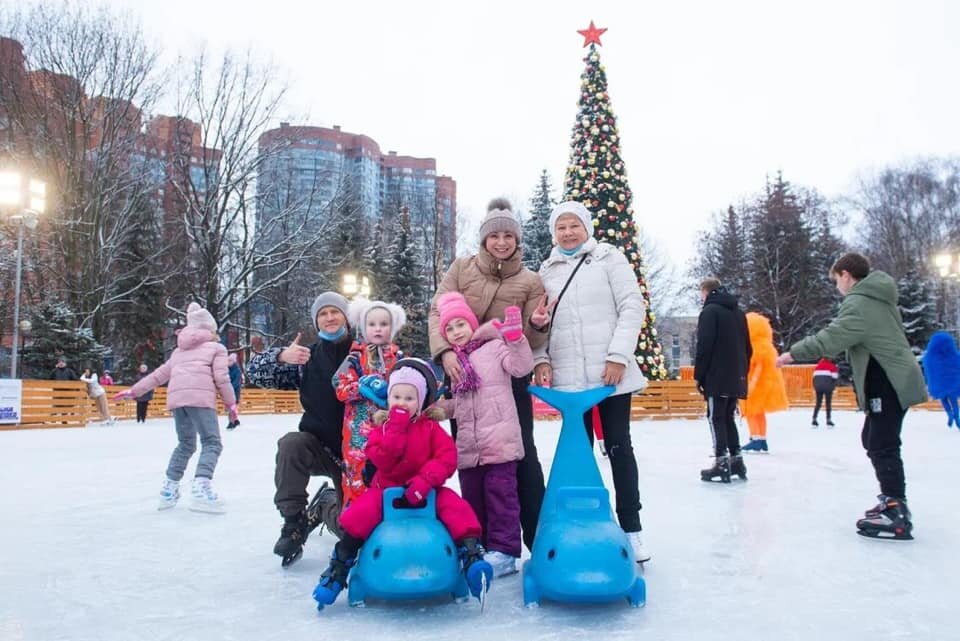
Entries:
{"x":324,"y":510}
{"x":169,"y":494}
{"x":755,"y":446}
{"x":205,"y":499}
{"x":720,"y":472}
{"x":292,"y":536}
{"x":502,"y":564}
{"x":889,"y":519}
{"x":477,"y":571}
{"x":737,"y":466}
{"x":639,"y":551}
{"x":332,"y":581}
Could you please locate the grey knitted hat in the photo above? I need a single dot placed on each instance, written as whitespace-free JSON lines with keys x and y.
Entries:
{"x":499,"y":218}
{"x":328,"y":299}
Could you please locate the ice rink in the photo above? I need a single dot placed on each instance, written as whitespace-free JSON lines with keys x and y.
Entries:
{"x":85,"y":555}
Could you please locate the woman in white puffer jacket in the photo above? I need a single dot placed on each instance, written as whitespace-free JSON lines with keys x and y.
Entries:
{"x":593,"y":336}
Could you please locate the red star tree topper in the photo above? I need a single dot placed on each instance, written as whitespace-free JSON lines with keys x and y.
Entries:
{"x":591,"y":35}
{"x":596,"y":177}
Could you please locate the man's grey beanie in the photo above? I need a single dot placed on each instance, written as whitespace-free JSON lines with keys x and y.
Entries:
{"x":328,"y":299}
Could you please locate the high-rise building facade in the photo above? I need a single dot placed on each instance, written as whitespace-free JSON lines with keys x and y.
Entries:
{"x":309,"y":167}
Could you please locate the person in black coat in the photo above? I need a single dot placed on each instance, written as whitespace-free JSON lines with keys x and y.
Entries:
{"x":63,"y":373}
{"x":315,"y":449}
{"x":720,"y":369}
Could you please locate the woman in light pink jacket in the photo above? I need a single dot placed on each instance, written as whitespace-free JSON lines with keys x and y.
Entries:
{"x":489,"y":442}
{"x":197,"y":370}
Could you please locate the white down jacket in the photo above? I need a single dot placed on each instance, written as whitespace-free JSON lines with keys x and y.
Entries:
{"x":598,"y":319}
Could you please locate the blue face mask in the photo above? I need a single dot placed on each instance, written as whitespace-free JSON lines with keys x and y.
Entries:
{"x":337,"y":335}
{"x":569,"y":252}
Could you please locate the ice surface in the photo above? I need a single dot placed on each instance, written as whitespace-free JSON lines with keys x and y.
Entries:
{"x":85,"y":555}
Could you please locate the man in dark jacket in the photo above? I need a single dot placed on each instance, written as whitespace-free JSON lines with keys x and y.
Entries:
{"x":316,"y":448}
{"x":721,"y":366}
{"x":63,"y":373}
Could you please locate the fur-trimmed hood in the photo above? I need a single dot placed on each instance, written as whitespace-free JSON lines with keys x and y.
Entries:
{"x":359,"y":308}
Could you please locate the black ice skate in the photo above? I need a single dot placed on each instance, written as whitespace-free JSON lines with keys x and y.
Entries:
{"x":737,"y":467}
{"x":720,"y":472}
{"x":292,"y":536}
{"x":890,"y":519}
{"x":324,"y":510}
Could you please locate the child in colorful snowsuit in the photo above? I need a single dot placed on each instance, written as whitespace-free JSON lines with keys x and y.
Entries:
{"x":409,"y":449}
{"x":370,"y":358}
{"x":766,"y":391}
{"x":196,"y":370}
{"x":941,"y":368}
{"x":489,"y":442}
{"x":825,"y":376}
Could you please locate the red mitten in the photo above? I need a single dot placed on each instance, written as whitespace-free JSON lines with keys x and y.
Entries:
{"x":512,"y":326}
{"x":417,"y":491}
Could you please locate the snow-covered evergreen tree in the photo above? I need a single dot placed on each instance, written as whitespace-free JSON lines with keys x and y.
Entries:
{"x":537,"y":236}
{"x":54,"y":336}
{"x":918,"y":308}
{"x":404,"y":284}
{"x":375,"y":259}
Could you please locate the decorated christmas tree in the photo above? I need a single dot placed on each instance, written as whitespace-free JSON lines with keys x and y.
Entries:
{"x":596,"y":177}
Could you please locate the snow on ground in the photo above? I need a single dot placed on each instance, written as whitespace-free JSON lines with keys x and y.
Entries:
{"x":85,"y":555}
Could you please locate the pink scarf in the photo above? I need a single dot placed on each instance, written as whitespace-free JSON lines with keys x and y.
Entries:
{"x":471,"y":380}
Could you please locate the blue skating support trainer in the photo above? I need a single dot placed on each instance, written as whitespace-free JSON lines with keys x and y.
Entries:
{"x":580,"y":554}
{"x":410,"y":555}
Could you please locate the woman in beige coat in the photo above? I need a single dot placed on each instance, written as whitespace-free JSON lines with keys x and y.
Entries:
{"x":490,"y":281}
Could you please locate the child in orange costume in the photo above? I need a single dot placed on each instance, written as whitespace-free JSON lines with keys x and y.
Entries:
{"x":766,"y":391}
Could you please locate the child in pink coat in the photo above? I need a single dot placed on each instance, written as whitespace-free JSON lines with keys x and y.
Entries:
{"x":489,"y":442}
{"x":409,"y":449}
{"x":196,"y":370}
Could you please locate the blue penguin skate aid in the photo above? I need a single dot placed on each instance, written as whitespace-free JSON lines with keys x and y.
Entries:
{"x":580,"y":554}
{"x":410,"y":555}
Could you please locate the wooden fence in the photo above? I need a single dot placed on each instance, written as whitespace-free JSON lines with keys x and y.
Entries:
{"x":65,"y":403}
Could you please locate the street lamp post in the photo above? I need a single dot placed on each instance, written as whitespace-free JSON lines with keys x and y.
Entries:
{"x":27,"y":199}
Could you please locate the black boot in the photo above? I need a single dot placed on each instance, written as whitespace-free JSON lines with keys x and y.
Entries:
{"x":719,"y":472}
{"x":737,"y":467}
{"x":292,"y":536}
{"x":889,"y":519}
{"x":324,"y":510}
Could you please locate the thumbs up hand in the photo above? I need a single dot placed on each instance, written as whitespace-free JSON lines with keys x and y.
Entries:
{"x":295,"y":353}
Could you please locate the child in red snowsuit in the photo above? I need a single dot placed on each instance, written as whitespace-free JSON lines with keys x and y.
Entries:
{"x":409,"y":449}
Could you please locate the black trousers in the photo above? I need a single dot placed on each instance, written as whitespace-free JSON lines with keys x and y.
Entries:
{"x":881,"y":431}
{"x":615,"y":418}
{"x":720,"y":411}
{"x":142,"y":411}
{"x":821,"y":396}
{"x":301,"y":455}
{"x":530,"y":483}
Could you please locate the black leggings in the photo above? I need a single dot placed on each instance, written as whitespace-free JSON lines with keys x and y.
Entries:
{"x":615,"y":419}
{"x":142,"y":411}
{"x":821,"y":395}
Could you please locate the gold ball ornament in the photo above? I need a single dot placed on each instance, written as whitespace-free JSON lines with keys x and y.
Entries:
{"x":596,"y":223}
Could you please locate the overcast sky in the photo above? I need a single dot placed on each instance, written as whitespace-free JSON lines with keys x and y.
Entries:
{"x":710,"y":96}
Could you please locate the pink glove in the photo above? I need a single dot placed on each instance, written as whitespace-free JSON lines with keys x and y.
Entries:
{"x":512,"y":326}
{"x":398,"y":418}
{"x":234,"y":412}
{"x":417,"y":491}
{"x":123,"y":396}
